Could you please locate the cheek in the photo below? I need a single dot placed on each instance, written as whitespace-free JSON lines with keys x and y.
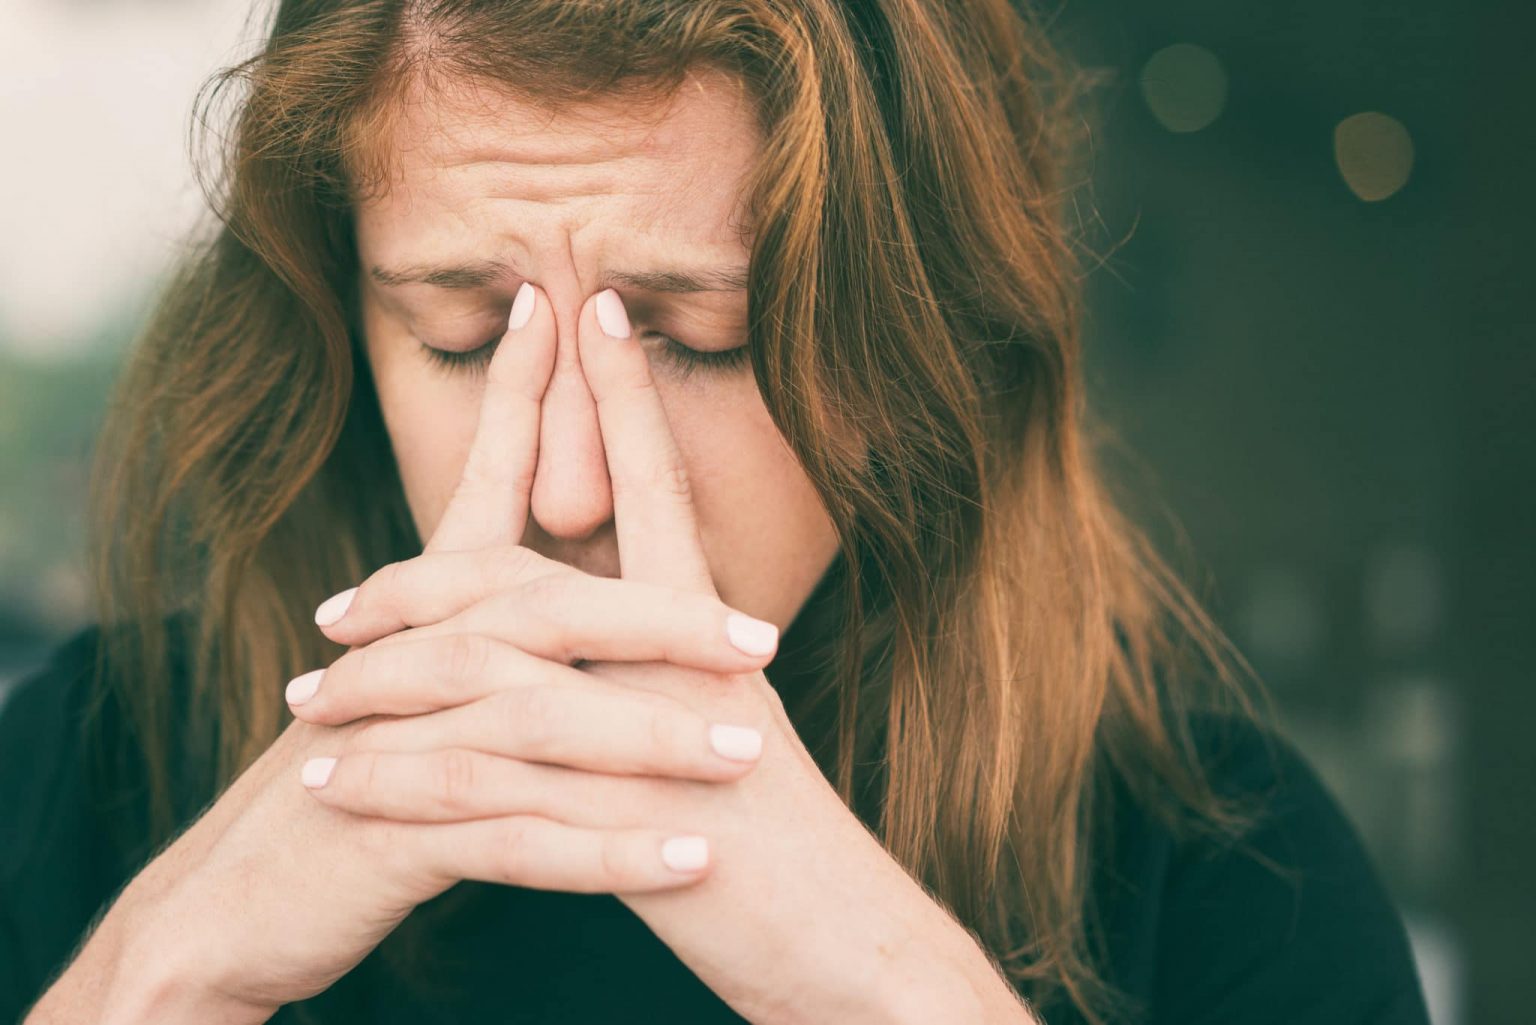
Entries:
{"x":765,"y":531}
{"x":430,"y":429}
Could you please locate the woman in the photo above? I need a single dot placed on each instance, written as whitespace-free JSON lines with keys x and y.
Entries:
{"x":580,"y":349}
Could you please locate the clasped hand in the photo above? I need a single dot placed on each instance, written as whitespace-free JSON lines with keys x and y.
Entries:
{"x":566,"y":731}
{"x":476,"y":663}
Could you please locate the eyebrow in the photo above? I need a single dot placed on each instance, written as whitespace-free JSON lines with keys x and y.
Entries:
{"x":480,"y":274}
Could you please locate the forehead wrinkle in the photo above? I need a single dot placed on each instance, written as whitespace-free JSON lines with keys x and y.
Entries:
{"x":470,"y":163}
{"x":572,"y":135}
{"x":548,"y":183}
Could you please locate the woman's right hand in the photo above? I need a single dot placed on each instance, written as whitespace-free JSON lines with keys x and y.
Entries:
{"x":271,"y":896}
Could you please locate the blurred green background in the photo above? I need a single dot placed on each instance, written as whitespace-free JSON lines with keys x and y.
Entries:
{"x":1308,"y":324}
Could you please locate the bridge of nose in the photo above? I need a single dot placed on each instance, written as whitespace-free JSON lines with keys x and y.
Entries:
{"x":571,"y":496}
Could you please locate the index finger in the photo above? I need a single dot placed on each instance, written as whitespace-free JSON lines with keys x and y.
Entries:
{"x":489,"y":506}
{"x":654,"y":519}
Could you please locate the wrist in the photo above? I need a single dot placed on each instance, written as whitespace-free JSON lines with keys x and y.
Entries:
{"x":948,"y":991}
{"x":917,"y":964}
{"x":122,"y":977}
{"x":146,"y":991}
{"x":942,"y":974}
{"x":160,"y":974}
{"x":890,"y":967}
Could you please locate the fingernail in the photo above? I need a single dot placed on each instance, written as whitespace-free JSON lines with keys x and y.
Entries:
{"x":738,"y":743}
{"x":522,"y":307}
{"x":752,"y":636}
{"x":610,"y":314}
{"x":316,"y":771}
{"x":333,"y":608}
{"x":302,"y":688}
{"x":685,"y":853}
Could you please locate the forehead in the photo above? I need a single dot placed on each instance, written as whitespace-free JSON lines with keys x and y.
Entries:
{"x":476,"y":171}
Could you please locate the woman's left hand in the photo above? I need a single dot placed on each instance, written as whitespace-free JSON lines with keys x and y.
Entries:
{"x":804,"y":916}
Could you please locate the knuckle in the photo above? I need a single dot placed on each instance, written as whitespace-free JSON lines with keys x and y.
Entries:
{"x":363,"y":735}
{"x":633,"y":802}
{"x":521,"y":478}
{"x":557,"y":614}
{"x":515,"y":856}
{"x":537,"y":716}
{"x":475,"y":480}
{"x":537,"y":591}
{"x":635,"y":375}
{"x":668,"y":602}
{"x":456,"y":779}
{"x":535,"y":607}
{"x":373,"y":733}
{"x":359,"y":664}
{"x":672,"y":479}
{"x":669,"y":480}
{"x":506,"y":567}
{"x":616,"y":862}
{"x":389,"y":580}
{"x":366,"y":772}
{"x":669,"y":731}
{"x":691,"y":616}
{"x":466,"y":657}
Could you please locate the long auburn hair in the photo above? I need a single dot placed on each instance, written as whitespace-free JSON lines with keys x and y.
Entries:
{"x":995,"y":637}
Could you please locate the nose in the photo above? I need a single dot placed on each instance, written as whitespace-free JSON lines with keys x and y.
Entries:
{"x":572,"y":496}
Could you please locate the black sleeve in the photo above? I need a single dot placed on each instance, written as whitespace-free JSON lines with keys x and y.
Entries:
{"x":52,"y":882}
{"x":1290,"y":925}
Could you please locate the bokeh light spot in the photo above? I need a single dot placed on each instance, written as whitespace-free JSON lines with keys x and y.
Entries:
{"x":1374,"y":153}
{"x":1185,"y":87}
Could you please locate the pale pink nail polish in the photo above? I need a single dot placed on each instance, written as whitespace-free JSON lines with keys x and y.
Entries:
{"x":317,"y":772}
{"x":752,"y":636}
{"x":302,"y":688}
{"x":522,"y":308}
{"x":610,"y":314}
{"x":685,"y":853}
{"x":333,"y":608}
{"x":738,"y":743}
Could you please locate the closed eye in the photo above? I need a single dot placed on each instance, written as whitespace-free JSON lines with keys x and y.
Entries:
{"x":680,"y":357}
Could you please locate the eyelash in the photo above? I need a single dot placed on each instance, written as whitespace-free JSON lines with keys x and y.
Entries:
{"x":681,"y":357}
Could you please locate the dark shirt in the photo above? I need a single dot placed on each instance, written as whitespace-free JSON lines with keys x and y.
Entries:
{"x":1290,"y":926}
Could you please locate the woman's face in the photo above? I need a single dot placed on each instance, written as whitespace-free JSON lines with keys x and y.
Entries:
{"x":503,"y":193}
